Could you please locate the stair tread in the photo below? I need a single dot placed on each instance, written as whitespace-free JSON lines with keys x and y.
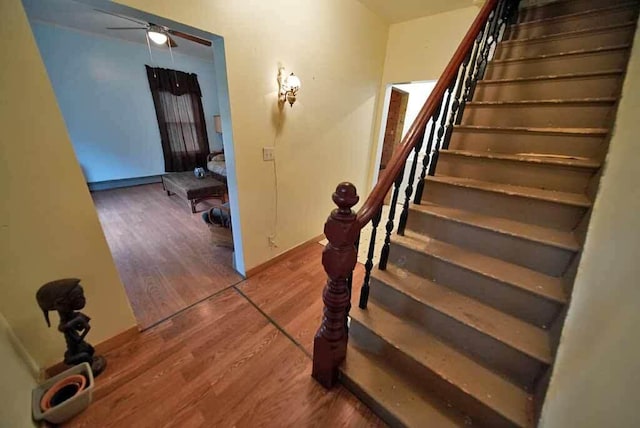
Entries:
{"x":574,"y":15}
{"x":526,"y":338}
{"x":547,"y":159}
{"x":518,"y":276}
{"x":566,"y":198}
{"x":576,"y":75}
{"x":542,"y":235}
{"x":573,"y":131}
{"x":394,"y":393}
{"x":606,"y":100}
{"x":574,"y":52}
{"x":448,"y":363}
{"x":568,"y":33}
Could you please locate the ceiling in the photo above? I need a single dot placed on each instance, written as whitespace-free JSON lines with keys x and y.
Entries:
{"x":83,"y":17}
{"x":404,"y":10}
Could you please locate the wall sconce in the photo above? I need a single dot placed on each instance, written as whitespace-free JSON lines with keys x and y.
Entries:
{"x":217,"y":124}
{"x":289,"y":86}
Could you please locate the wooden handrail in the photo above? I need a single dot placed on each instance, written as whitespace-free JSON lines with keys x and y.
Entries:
{"x":399,"y":158}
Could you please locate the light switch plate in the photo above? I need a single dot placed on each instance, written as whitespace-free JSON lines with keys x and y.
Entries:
{"x":268,"y":153}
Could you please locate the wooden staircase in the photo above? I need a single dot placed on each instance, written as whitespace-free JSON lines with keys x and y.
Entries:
{"x":462,"y":326}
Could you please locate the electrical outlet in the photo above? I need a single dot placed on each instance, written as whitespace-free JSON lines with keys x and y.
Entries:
{"x":268,"y":153}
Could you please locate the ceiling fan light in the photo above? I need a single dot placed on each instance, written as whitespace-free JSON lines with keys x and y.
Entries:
{"x":157,"y":37}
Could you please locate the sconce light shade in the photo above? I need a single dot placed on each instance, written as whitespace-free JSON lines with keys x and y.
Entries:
{"x":217,"y":124}
{"x":288,"y":88}
{"x":292,"y":82}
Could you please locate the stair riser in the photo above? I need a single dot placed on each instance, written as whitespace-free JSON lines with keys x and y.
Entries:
{"x":551,"y":89}
{"x":424,"y":376}
{"x":377,"y":408}
{"x":530,"y":254}
{"x":591,"y":62}
{"x":553,"y":10}
{"x":522,"y":142}
{"x":578,"y":115}
{"x":611,"y":17}
{"x":525,"y":210}
{"x":505,"y":297}
{"x":500,"y":357}
{"x":592,"y":40}
{"x":528,"y":174}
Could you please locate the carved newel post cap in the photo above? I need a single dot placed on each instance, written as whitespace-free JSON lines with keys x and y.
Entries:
{"x":345,"y":197}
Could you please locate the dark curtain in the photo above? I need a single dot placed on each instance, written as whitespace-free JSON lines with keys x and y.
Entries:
{"x":183,"y":133}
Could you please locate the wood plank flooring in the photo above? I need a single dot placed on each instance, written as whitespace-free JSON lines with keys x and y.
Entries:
{"x":168,"y":258}
{"x":223,"y":363}
{"x":297,"y":304}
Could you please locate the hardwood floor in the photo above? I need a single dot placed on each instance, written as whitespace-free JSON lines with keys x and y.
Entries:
{"x":223,"y":363}
{"x":296,"y":306}
{"x":168,"y":258}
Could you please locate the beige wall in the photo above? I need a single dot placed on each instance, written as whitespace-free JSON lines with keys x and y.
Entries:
{"x":421,"y":48}
{"x":418,"y":50}
{"x":48,"y":225}
{"x":597,"y":370}
{"x":17,"y":382}
{"x":336,"y":47}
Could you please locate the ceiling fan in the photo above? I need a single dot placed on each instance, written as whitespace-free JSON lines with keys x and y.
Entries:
{"x":159,"y":34}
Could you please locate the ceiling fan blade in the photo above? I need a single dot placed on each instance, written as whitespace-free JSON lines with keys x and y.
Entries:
{"x":189,"y":37}
{"x":123,"y":17}
{"x":171,"y":42}
{"x":126,"y":28}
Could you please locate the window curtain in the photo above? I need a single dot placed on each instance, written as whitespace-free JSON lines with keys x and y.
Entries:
{"x":183,"y":133}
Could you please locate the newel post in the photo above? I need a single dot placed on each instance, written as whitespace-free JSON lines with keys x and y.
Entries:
{"x":339,"y":259}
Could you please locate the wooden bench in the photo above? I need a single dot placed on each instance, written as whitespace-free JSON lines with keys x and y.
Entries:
{"x":194,"y":189}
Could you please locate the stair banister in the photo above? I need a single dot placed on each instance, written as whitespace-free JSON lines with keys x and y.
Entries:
{"x":343,"y":226}
{"x":400,"y":155}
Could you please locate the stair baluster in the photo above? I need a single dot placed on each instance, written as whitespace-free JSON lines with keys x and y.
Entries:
{"x":456,"y":102}
{"x":471,"y":74}
{"x":364,"y":292}
{"x":409,"y":189}
{"x":493,"y":34}
{"x":384,"y":254}
{"x":441,"y":127}
{"x":427,"y":156}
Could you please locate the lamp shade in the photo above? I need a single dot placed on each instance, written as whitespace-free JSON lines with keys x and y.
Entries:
{"x":217,"y":124}
{"x":293,"y":82}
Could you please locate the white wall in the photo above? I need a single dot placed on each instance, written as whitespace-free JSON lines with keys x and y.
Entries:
{"x":17,"y":382}
{"x":597,"y":370}
{"x":418,"y":94}
{"x":102,"y":89}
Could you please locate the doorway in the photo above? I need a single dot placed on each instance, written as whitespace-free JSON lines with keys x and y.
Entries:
{"x":99,"y":57}
{"x":403,"y":102}
{"x":395,"y":122}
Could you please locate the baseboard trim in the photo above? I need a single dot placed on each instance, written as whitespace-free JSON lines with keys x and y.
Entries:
{"x":101,"y":348}
{"x":125,"y":182}
{"x":261,"y":267}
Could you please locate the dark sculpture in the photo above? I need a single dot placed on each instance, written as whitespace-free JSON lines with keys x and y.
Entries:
{"x":66,"y":296}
